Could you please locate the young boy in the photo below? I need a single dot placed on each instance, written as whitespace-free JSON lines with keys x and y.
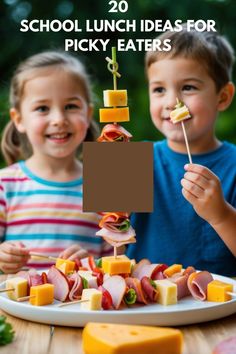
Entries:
{"x":194,"y":217}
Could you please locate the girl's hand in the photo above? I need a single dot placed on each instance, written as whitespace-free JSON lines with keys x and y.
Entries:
{"x":202,"y":189}
{"x":73,"y":252}
{"x":13,"y":256}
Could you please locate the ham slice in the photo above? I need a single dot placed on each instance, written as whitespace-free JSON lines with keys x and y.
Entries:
{"x":145,"y":269}
{"x":60,"y":282}
{"x":149,"y":290}
{"x":77,"y":287}
{"x":119,"y":244}
{"x":197,"y":284}
{"x":182,"y":282}
{"x":114,"y":132}
{"x":116,"y":286}
{"x":134,"y":283}
{"x":116,"y":236}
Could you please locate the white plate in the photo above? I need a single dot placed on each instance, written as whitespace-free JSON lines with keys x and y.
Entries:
{"x":187,"y":311}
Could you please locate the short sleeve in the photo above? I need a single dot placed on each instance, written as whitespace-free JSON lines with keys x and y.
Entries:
{"x":2,"y":213}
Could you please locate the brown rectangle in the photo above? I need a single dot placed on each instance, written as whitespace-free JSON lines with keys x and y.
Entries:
{"x":118,"y":177}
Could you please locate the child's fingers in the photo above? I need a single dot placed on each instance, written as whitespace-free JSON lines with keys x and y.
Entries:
{"x":11,"y":267}
{"x":197,"y":179}
{"x":82,"y":253}
{"x":192,"y":188}
{"x":202,"y":170}
{"x":69,"y":251}
{"x":11,"y":248}
{"x":11,"y":258}
{"x":188,"y":196}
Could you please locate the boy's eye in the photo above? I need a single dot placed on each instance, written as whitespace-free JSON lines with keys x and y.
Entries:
{"x":42,"y":109}
{"x":189,"y":87}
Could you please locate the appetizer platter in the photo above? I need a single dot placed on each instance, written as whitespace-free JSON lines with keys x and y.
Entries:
{"x":151,"y":294}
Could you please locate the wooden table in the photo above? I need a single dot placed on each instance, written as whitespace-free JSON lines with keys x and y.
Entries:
{"x":38,"y":338}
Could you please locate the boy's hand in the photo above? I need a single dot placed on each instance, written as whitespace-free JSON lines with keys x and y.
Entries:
{"x":73,"y":252}
{"x":202,"y":189}
{"x":13,"y":256}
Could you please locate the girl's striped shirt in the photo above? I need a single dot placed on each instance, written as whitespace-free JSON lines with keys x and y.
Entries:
{"x":46,"y":216}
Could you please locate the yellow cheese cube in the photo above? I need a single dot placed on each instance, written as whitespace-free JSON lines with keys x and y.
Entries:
{"x":20,"y":286}
{"x":114,"y":98}
{"x":174,"y":268}
{"x":43,"y":294}
{"x":114,"y":114}
{"x":109,"y":338}
{"x":167,"y":292}
{"x":94,"y":298}
{"x":217,"y":291}
{"x":116,"y":265}
{"x":65,"y":265}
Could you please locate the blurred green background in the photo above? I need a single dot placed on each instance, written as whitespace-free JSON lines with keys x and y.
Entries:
{"x":16,"y":45}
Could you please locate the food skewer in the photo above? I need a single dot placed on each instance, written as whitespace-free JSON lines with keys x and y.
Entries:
{"x":25,"y":298}
{"x":73,"y":302}
{"x":35,"y":254}
{"x":179,"y":114}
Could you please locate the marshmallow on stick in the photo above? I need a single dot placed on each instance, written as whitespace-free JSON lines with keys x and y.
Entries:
{"x":179,"y":114}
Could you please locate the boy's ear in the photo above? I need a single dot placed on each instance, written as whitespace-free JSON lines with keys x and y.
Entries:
{"x":16,"y":118}
{"x":226,"y":96}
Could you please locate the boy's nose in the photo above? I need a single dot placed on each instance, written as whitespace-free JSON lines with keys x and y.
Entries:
{"x":171,"y":100}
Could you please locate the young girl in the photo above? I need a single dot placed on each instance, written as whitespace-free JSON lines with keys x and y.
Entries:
{"x":41,"y":197}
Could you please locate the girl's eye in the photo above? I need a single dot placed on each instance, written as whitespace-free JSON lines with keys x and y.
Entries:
{"x":72,"y":106}
{"x":158,"y":89}
{"x":189,"y":88}
{"x":42,"y":109}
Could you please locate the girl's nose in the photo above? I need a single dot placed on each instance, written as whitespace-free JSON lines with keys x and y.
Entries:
{"x":58,"y":118}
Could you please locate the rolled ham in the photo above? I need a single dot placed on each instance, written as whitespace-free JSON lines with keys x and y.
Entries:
{"x":77,"y":287}
{"x":134,"y":283}
{"x":60,"y":282}
{"x":150,"y":291}
{"x":116,"y":286}
{"x":197,"y":284}
{"x":114,"y":132}
{"x":182,"y":282}
{"x":145,"y":269}
{"x":116,"y":236}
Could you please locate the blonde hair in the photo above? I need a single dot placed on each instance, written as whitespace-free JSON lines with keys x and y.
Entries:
{"x":210,"y":49}
{"x":15,"y":145}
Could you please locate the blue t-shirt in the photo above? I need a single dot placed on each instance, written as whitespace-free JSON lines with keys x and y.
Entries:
{"x":173,"y":232}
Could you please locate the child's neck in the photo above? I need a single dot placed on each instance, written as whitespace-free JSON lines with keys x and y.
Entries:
{"x":55,"y":169}
{"x":196,"y":147}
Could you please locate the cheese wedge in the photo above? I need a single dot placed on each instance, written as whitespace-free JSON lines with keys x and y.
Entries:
{"x":43,"y":294}
{"x":19,"y":286}
{"x":114,"y":114}
{"x":217,"y":291}
{"x":167,"y":292}
{"x":108,"y":338}
{"x":179,"y":114}
{"x":65,"y":265}
{"x":114,"y":98}
{"x":116,"y":265}
{"x":94,"y":298}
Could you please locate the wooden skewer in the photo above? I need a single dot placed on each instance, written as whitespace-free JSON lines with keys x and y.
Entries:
{"x":230,"y":293}
{"x":6,"y":289}
{"x":25,"y":298}
{"x":186,"y":142}
{"x":73,"y":302}
{"x":35,"y":254}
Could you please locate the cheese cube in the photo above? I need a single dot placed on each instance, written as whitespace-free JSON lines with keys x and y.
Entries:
{"x":94,"y":298}
{"x":217,"y":291}
{"x":43,"y":294}
{"x":116,"y":265}
{"x":114,"y":114}
{"x":65,"y":265}
{"x":167,"y":292}
{"x":20,"y":286}
{"x":174,"y":268}
{"x":114,"y":98}
{"x":109,"y":338}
